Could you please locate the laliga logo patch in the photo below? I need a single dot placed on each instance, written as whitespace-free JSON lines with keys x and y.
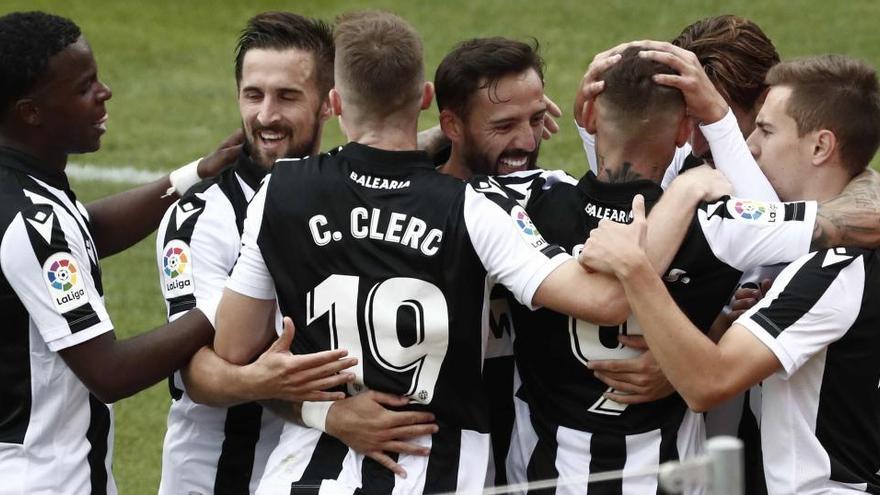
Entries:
{"x":64,"y":283}
{"x":177,"y":269}
{"x":526,"y":228}
{"x":756,"y":211}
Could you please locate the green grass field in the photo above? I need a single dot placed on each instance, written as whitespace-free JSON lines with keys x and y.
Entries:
{"x":170,"y":66}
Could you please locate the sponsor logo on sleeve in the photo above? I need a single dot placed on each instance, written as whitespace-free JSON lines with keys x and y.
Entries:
{"x":753,"y":211}
{"x":62,"y":276}
{"x":526,"y":228}
{"x":177,"y":269}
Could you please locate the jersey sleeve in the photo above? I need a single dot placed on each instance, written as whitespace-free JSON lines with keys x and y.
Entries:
{"x":746,"y":234}
{"x":733,"y":158}
{"x":811,"y":305}
{"x":44,"y":260}
{"x":196,"y":249}
{"x":250,"y":276}
{"x":507,"y":242}
{"x":589,"y":142}
{"x":528,"y":185}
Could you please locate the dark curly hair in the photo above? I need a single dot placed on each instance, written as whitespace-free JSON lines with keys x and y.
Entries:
{"x":481,"y":63}
{"x":27,"y":41}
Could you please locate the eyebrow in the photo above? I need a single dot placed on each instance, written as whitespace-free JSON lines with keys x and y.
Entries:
{"x":763,"y":124}
{"x":87,"y":77}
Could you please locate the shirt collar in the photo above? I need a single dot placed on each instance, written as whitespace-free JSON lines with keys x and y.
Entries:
{"x":31,"y":165}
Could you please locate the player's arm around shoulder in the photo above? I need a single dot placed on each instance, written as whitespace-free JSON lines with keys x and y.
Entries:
{"x":850,"y":219}
{"x":536,"y":272}
{"x":671,"y":217}
{"x":702,"y":372}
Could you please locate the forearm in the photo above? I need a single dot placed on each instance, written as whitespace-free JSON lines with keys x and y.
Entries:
{"x":690,"y":361}
{"x":594,"y":297}
{"x":853,"y":217}
{"x":733,"y":158}
{"x":113,"y":369}
{"x":668,"y":224}
{"x":213,"y":381}
{"x":122,"y":220}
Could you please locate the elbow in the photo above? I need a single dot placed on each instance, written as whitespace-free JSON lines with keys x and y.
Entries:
{"x":707,"y":396}
{"x":233,"y":355}
{"x":110,"y":391}
{"x":613,"y":309}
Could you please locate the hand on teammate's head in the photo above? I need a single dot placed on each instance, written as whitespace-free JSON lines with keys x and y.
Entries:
{"x":704,"y":102}
{"x":551,"y":127}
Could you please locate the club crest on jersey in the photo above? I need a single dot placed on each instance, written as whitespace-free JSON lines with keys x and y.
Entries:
{"x":526,"y":228}
{"x":177,"y":269}
{"x":755,"y":211}
{"x":64,"y":282}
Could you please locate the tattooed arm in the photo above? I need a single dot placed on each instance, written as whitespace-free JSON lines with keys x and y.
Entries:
{"x":853,"y":217}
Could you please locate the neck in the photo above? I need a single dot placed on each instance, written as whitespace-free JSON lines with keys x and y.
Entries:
{"x":627,"y":161}
{"x":50,"y":158}
{"x":827,"y":182}
{"x":456,"y":166}
{"x":387,"y":134}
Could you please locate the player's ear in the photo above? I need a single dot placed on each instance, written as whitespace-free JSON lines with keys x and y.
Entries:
{"x":27,"y":111}
{"x":589,"y":116}
{"x":451,"y":125}
{"x":427,"y":95}
{"x":685,"y":126}
{"x":824,"y":146}
{"x":335,"y":102}
{"x":326,"y":110}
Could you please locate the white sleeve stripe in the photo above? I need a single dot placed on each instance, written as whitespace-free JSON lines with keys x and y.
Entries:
{"x":815,"y":304}
{"x":528,"y":291}
{"x":80,"y":337}
{"x":778,"y":350}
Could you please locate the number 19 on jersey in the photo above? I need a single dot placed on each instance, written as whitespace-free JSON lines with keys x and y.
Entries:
{"x":394,"y":309}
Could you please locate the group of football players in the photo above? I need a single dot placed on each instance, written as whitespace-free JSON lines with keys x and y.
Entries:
{"x":433,"y":312}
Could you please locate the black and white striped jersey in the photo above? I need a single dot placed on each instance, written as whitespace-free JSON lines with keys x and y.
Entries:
{"x":376,"y":252}
{"x":820,"y":425}
{"x":552,"y":349}
{"x":498,"y":380}
{"x":55,"y":436}
{"x":209,"y":449}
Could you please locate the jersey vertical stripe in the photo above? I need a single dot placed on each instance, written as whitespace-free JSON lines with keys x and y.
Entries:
{"x":819,"y":425}
{"x":207,"y":449}
{"x":50,"y":296}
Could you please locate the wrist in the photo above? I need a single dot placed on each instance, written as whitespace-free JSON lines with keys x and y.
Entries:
{"x":633,"y":265}
{"x":183,"y":178}
{"x":314,"y":414}
{"x":686,"y":190}
{"x":717,"y":111}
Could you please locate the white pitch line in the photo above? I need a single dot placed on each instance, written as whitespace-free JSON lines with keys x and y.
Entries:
{"x":117,"y":175}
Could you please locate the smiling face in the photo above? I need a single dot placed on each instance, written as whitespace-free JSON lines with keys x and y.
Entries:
{"x":70,"y":101}
{"x":502,"y":131}
{"x":282,"y":110}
